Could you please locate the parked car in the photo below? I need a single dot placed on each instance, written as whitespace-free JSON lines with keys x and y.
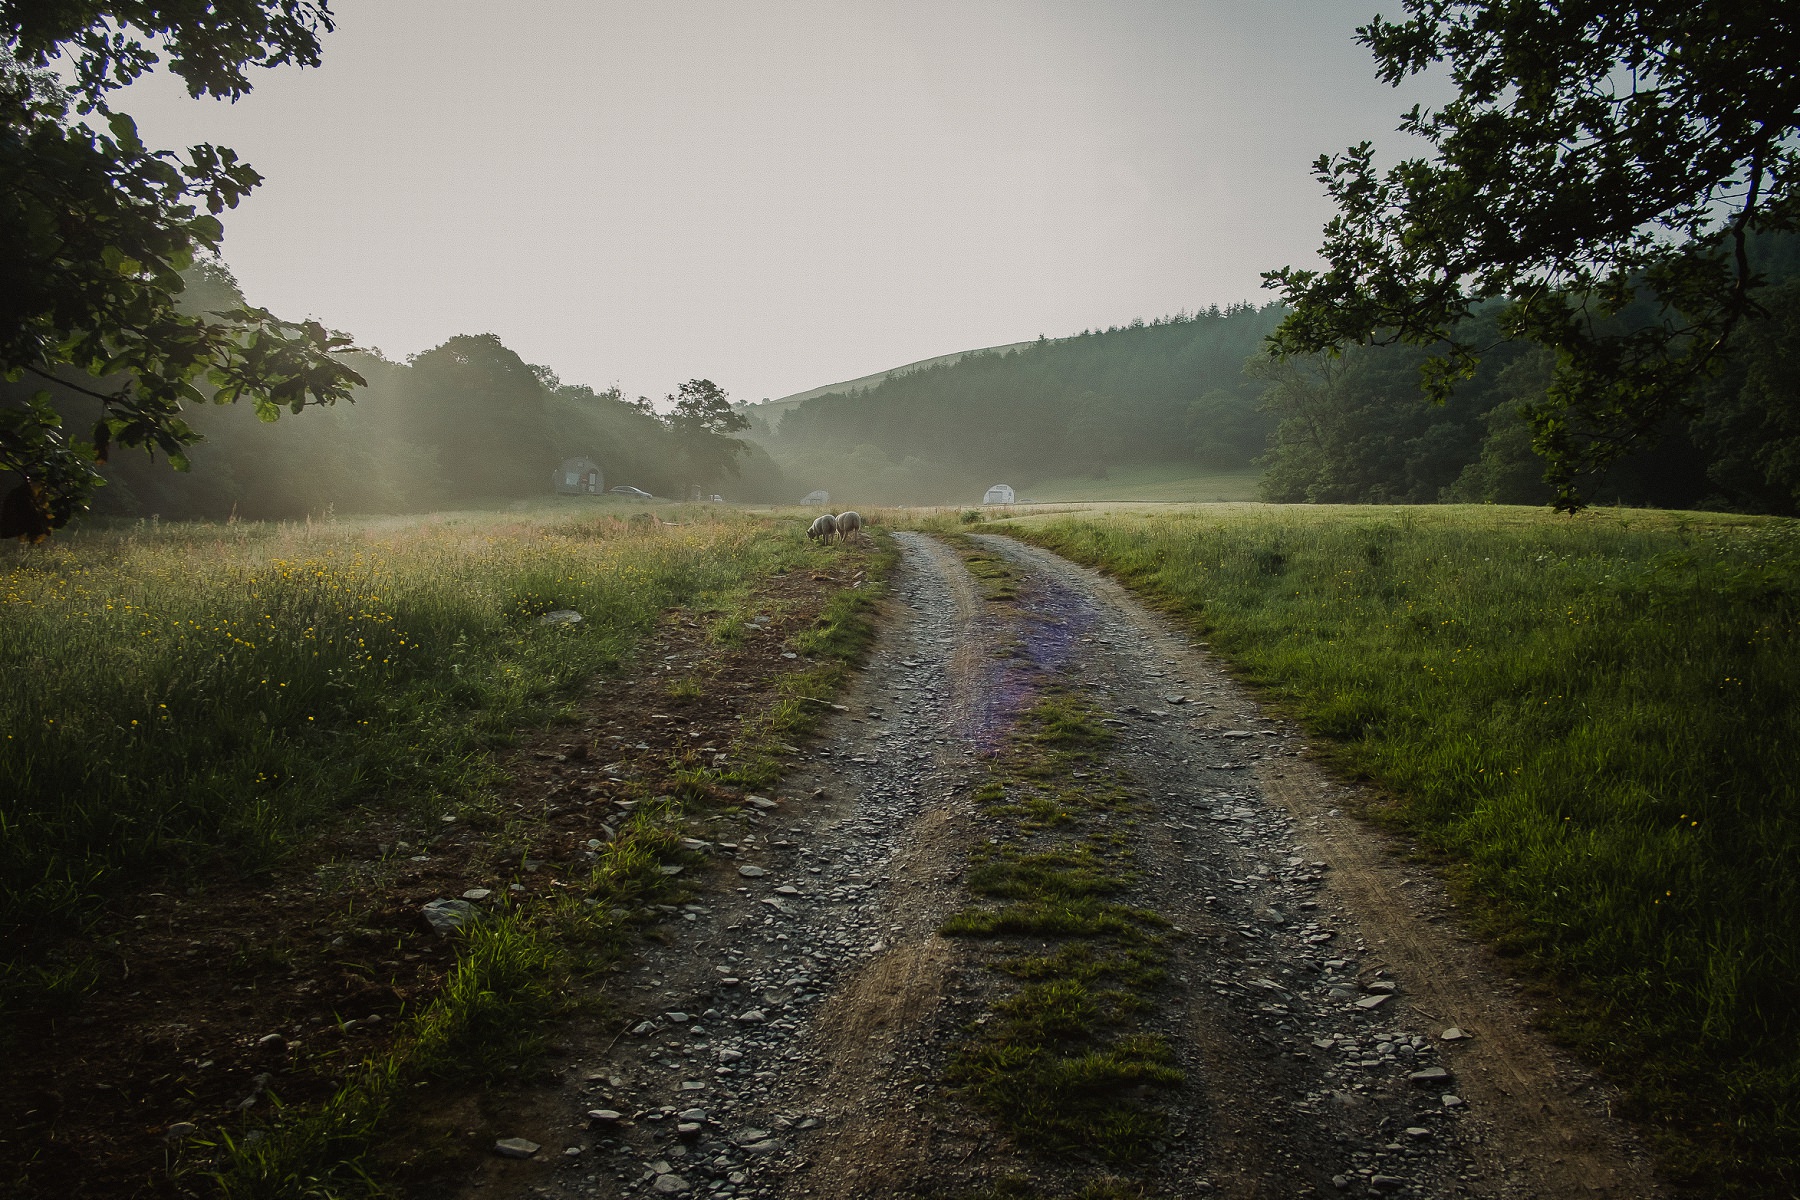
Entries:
{"x":625,"y":489}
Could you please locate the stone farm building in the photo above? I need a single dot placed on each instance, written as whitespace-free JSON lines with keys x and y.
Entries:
{"x":820,"y":497}
{"x":1000,"y":493}
{"x":580,"y":477}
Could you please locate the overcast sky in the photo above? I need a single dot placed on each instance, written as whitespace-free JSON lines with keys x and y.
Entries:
{"x":777,"y":196}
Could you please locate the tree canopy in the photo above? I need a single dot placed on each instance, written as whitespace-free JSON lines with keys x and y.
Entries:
{"x":96,"y":229}
{"x":1603,"y":173}
{"x":702,"y":420}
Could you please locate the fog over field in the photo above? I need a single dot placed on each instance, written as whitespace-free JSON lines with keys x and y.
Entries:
{"x":1002,"y":600}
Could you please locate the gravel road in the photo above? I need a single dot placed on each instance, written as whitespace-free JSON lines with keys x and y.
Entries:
{"x":788,"y":1032}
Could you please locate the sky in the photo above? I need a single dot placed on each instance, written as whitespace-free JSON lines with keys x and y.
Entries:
{"x":776,"y":196}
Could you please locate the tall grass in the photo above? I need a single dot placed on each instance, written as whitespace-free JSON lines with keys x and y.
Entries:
{"x":1597,"y":717}
{"x":197,"y":694}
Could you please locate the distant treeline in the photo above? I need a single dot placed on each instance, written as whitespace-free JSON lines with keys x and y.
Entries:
{"x":1199,"y":390}
{"x":466,"y":423}
{"x":470,"y":423}
{"x":1172,"y":390}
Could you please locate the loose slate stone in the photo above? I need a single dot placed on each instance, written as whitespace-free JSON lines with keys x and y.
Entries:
{"x":477,"y":894}
{"x":1429,"y":1076}
{"x":1453,"y":1034}
{"x":605,"y":1116}
{"x":560,"y":616}
{"x":1375,"y":1001}
{"x":515,"y":1148}
{"x":671,"y":1185}
{"x":762,"y":802}
{"x":447,"y":916}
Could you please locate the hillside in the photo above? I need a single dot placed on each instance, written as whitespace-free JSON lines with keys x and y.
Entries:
{"x":1169,"y":394}
{"x":771,"y":411}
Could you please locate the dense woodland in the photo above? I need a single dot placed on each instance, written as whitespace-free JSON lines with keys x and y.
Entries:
{"x":468,"y":423}
{"x":1357,"y":429}
{"x":1171,"y":391}
{"x":1202,"y":391}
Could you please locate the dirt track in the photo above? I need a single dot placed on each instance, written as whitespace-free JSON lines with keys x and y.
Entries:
{"x":803,"y":1004}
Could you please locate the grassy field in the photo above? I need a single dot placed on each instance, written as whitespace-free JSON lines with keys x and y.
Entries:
{"x":1166,"y":483}
{"x":1595,"y":719}
{"x":190,"y":697}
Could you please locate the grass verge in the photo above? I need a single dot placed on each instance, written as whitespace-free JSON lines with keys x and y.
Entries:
{"x":1597,"y":718}
{"x":519,"y":969}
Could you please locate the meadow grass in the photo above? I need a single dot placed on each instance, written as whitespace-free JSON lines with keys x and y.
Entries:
{"x":1594,"y":717}
{"x":1161,"y":482}
{"x":520,"y":967}
{"x":193,"y":696}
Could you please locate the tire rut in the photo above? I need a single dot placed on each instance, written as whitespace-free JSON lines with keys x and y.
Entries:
{"x":789,"y":1038}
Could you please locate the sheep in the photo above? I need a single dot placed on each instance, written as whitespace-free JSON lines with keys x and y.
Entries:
{"x":849,"y":523}
{"x":823,"y":528}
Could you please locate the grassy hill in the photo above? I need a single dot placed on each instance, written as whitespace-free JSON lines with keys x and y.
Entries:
{"x":772,"y":410}
{"x":1143,"y":406}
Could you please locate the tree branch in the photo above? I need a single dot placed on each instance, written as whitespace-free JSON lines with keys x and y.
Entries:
{"x":74,"y":387}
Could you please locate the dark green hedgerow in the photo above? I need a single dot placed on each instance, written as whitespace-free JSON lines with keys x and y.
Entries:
{"x":1063,"y":1063}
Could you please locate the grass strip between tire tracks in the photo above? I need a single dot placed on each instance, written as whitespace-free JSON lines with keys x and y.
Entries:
{"x":1065,"y":1063}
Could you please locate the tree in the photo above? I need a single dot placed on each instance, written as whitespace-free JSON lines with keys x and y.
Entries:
{"x":703,"y":421}
{"x":484,"y":413}
{"x":96,"y":228}
{"x":1605,"y":169}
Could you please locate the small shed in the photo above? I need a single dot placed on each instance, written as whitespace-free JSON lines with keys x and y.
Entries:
{"x":819,"y":497}
{"x":579,"y":477}
{"x":1000,"y":493}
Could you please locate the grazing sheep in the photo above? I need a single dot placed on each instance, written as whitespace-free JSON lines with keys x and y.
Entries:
{"x":823,"y":528}
{"x":849,"y":523}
